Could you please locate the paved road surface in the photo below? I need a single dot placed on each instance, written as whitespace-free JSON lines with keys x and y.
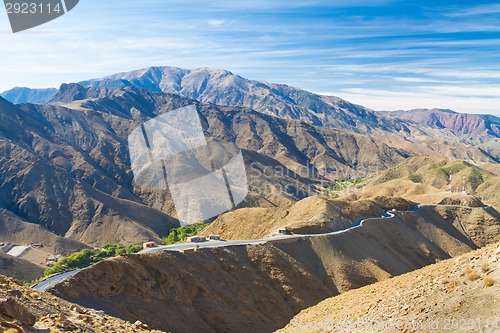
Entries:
{"x":49,"y":282}
{"x":53,"y":280}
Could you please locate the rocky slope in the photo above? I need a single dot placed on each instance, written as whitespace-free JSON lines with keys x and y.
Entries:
{"x":222,"y":87}
{"x":65,"y":165}
{"x":321,"y":215}
{"x":70,"y":189}
{"x":74,"y":151}
{"x":481,"y":131}
{"x":19,"y":269}
{"x":425,"y":180}
{"x":24,"y":310}
{"x":311,"y":215}
{"x":15,"y":230}
{"x":459,"y":295}
{"x":459,"y":123}
{"x":261,"y":287}
{"x":22,"y":95}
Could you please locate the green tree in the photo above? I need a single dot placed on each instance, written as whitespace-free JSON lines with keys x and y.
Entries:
{"x":415,"y":178}
{"x":179,"y":235}
{"x":475,"y":178}
{"x":88,"y":257}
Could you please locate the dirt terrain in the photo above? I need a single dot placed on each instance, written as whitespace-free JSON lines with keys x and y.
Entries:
{"x":424,"y":179}
{"x":311,"y":215}
{"x":16,"y":230}
{"x":25,"y":310}
{"x":455,"y":295}
{"x":260,"y":288}
{"x":19,"y":269}
{"x":322,"y":215}
{"x":65,"y":165}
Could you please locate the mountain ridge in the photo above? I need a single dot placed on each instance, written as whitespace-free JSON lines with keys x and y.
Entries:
{"x":80,"y":140}
{"x":20,"y":95}
{"x":222,"y":87}
{"x":459,"y":123}
{"x":73,"y":151}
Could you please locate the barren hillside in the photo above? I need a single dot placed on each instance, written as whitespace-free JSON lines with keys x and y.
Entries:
{"x":259,"y":288}
{"x":24,"y":310}
{"x":19,"y":269}
{"x":424,"y":179}
{"x":455,"y":295}
{"x":468,"y":124}
{"x":15,"y":230}
{"x":321,"y":215}
{"x":315,"y":214}
{"x":65,"y":165}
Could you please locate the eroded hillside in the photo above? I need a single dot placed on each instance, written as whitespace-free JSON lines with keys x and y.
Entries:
{"x":459,"y":295}
{"x":261,"y":287}
{"x":321,"y":215}
{"x":425,"y":179}
{"x":22,"y":310}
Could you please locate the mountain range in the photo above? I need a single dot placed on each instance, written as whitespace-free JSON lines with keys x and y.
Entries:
{"x":65,"y":165}
{"x":221,"y":87}
{"x":459,"y":123}
{"x":66,"y":184}
{"x":20,"y":95}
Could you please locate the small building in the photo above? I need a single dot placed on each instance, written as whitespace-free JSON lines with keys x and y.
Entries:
{"x":283,"y":231}
{"x":214,"y":237}
{"x":148,"y":245}
{"x":196,"y":239}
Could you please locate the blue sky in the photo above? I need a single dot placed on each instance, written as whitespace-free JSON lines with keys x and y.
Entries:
{"x":384,"y":54}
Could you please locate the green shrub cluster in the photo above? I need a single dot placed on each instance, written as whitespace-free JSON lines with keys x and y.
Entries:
{"x":87,"y":257}
{"x":332,"y":194}
{"x":416,"y":178}
{"x":180,"y":235}
{"x":341,"y":185}
{"x":455,"y":168}
{"x":475,"y":178}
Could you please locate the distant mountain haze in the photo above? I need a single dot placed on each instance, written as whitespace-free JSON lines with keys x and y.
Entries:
{"x":222,"y":87}
{"x":64,"y":164}
{"x":460,"y":123}
{"x":20,"y":95}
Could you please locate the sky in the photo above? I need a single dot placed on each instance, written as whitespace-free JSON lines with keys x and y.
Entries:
{"x":383,"y":54}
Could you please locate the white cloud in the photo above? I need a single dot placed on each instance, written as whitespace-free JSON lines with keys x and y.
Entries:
{"x":477,"y":10}
{"x":380,"y":99}
{"x":418,"y":80}
{"x":215,"y":23}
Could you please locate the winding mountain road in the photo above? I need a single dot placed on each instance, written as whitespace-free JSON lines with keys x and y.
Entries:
{"x":55,"y":279}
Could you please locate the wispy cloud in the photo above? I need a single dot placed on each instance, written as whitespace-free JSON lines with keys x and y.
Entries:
{"x":488,"y":9}
{"x":387,"y":50}
{"x":215,"y":23}
{"x":380,"y":99}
